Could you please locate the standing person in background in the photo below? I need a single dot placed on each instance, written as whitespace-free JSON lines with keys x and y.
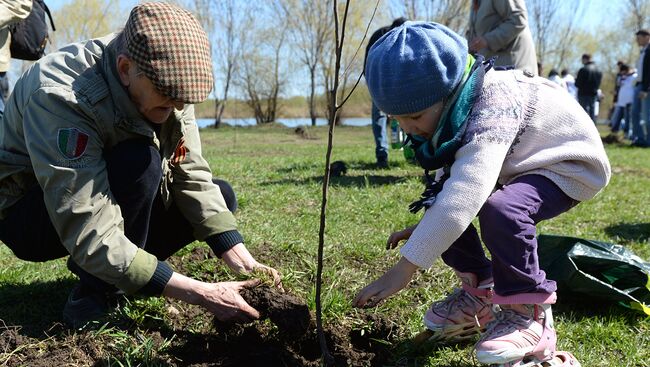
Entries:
{"x":617,"y":86}
{"x":10,"y":12}
{"x":500,"y":28}
{"x":570,"y":83}
{"x":379,"y":119}
{"x":555,"y":77}
{"x":588,"y":83}
{"x":641,"y":104}
{"x":624,"y":99}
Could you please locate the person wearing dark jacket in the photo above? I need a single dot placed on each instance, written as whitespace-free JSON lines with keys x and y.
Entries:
{"x":641,"y":104}
{"x":588,"y":83}
{"x":378,"y":117}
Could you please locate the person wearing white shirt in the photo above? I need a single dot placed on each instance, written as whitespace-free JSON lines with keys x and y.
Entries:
{"x":622,"y":110}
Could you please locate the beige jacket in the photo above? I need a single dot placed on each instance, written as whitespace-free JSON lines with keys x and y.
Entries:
{"x":504,"y":25}
{"x":76,"y":91}
{"x":11,"y":11}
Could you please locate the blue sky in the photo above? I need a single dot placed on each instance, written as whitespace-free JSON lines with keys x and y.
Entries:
{"x":595,"y":10}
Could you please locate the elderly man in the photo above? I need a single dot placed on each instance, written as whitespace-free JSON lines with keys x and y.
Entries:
{"x":100,"y":159}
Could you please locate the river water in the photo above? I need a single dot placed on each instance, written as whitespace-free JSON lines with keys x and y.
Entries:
{"x":288,"y":122}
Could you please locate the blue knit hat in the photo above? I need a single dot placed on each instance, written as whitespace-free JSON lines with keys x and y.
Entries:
{"x":414,"y":66}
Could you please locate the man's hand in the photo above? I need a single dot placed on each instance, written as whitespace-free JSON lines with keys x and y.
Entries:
{"x":225,"y":302}
{"x":388,"y":284}
{"x":395,"y":238}
{"x":477,"y":44}
{"x":222,"y":299}
{"x":643,"y":95}
{"x":241,"y":261}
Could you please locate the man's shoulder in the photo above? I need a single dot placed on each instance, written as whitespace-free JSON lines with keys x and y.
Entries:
{"x":72,"y":60}
{"x":68,"y":71}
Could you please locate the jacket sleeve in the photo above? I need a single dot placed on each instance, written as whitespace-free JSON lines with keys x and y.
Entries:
{"x":473,"y":176}
{"x":514,"y":21}
{"x":67,"y":157}
{"x":12,"y":11}
{"x":198,"y":198}
{"x":580,"y":78}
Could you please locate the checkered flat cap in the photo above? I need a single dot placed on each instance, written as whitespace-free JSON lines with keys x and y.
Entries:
{"x":171,"y":48}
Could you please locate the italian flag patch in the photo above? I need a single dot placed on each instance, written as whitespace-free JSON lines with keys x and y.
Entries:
{"x":72,"y":142}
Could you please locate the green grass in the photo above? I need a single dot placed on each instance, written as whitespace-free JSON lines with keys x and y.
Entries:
{"x":278,"y":178}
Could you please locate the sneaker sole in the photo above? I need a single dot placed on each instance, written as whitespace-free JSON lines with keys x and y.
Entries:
{"x":502,"y":356}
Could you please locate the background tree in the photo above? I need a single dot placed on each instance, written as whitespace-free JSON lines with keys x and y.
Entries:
{"x":80,"y":20}
{"x":310,"y":25}
{"x":361,"y":20}
{"x":451,"y":13}
{"x":553,"y":25}
{"x":639,"y":12}
{"x":225,"y":22}
{"x":262,"y":72}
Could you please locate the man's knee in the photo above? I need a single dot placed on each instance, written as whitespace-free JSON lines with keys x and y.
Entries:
{"x":134,"y":168}
{"x":228,"y":193}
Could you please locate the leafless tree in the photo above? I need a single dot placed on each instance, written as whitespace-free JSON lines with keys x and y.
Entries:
{"x":224,"y":21}
{"x":451,"y":13}
{"x":542,"y":14}
{"x":261,"y":73}
{"x":553,"y":24}
{"x":310,"y":24}
{"x":84,"y":19}
{"x":358,"y":23}
{"x":639,"y":10}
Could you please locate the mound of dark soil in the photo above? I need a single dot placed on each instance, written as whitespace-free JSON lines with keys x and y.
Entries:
{"x":295,"y":342}
{"x":287,"y":312}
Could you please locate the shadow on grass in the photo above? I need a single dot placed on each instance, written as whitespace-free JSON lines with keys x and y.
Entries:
{"x":638,"y":232}
{"x":577,"y":310}
{"x":343,"y":181}
{"x":36,"y":307}
{"x":408,"y":353}
{"x":360,"y":165}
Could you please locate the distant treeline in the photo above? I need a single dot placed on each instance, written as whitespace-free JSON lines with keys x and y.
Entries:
{"x":357,"y":106}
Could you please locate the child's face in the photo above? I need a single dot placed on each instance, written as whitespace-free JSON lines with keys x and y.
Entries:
{"x":422,"y":123}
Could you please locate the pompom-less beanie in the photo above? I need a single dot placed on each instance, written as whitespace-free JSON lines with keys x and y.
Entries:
{"x":414,"y":66}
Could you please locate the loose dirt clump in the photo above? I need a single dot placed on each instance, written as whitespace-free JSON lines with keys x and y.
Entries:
{"x":294,"y":341}
{"x":287,"y":312}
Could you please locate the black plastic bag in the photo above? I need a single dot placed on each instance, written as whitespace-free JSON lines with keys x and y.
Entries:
{"x":596,"y":270}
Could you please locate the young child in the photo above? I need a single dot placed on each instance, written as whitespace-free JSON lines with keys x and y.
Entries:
{"x":508,"y":147}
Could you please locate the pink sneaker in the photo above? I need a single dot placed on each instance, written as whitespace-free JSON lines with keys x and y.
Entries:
{"x":519,"y":333}
{"x":463,"y":313}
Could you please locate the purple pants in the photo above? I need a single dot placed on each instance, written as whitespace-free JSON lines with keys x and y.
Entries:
{"x":507,"y":221}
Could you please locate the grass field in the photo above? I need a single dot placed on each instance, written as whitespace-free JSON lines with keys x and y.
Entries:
{"x":278,"y":176}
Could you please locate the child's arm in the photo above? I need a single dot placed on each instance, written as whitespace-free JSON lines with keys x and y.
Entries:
{"x":391,"y":282}
{"x":473,"y":176}
{"x":395,"y":237}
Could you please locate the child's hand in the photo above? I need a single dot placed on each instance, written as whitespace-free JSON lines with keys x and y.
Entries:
{"x":388,"y":284}
{"x":396,"y":237}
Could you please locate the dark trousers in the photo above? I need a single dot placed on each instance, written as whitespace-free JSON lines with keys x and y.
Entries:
{"x":508,"y":220}
{"x":134,"y":176}
{"x":588,"y":103}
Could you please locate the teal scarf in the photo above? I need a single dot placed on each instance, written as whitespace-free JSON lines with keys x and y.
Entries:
{"x":440,"y":150}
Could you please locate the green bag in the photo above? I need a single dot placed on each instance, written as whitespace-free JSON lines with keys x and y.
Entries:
{"x":597,"y":270}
